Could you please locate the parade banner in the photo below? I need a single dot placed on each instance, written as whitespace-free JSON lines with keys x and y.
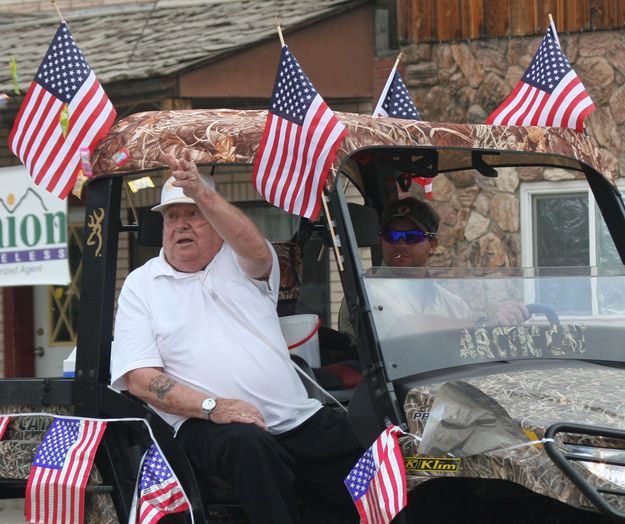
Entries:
{"x":33,"y":233}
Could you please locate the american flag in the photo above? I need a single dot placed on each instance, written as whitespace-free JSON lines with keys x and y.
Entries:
{"x":377,"y":482}
{"x":4,"y":424}
{"x":64,"y":110}
{"x":549,"y":94}
{"x":299,"y":143}
{"x":55,"y":492}
{"x":159,"y":490}
{"x":395,"y":102}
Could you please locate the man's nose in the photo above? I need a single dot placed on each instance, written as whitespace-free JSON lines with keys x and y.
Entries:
{"x":181,"y":224}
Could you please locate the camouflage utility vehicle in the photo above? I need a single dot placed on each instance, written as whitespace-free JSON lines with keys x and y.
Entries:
{"x":503,"y":423}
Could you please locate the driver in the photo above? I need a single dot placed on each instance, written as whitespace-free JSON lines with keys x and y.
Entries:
{"x":408,"y":237}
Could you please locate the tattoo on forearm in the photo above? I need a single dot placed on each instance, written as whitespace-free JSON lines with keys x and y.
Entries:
{"x":161,"y":385}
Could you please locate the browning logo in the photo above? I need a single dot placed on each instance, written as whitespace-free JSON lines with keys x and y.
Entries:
{"x":94,"y":223}
{"x":431,"y":464}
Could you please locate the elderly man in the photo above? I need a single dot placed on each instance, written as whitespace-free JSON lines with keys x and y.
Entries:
{"x":197,"y":337}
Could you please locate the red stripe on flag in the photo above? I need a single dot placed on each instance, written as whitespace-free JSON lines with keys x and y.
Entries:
{"x":284,"y":186}
{"x":76,"y":137}
{"x":561,"y":98}
{"x":17,"y":132}
{"x":285,"y":134}
{"x":539,"y":110}
{"x":4,"y":424}
{"x":504,"y":106}
{"x":532,"y":95}
{"x":577,"y":99}
{"x":38,"y":139}
{"x":101,"y":131}
{"x":273,"y":140}
{"x":325,"y":168}
{"x":579,"y":122}
{"x":311,"y":182}
{"x":303,"y":172}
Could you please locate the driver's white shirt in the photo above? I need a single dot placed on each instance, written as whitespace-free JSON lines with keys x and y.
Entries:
{"x":407,"y":300}
{"x":215,"y":330}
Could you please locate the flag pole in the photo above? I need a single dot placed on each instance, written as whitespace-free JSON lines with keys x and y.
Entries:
{"x":397,"y":61}
{"x":555,"y":31}
{"x":282,"y":44}
{"x":335,"y":243}
{"x":58,"y":11}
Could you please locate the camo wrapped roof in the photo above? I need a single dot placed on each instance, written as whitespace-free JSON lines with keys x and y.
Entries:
{"x":139,"y":141}
{"x":535,"y":399}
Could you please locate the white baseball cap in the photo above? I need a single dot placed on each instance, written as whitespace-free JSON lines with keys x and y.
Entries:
{"x":171,"y":194}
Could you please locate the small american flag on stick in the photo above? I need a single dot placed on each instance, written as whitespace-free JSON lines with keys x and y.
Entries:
{"x":65,"y":110}
{"x":395,"y":102}
{"x":549,"y":94}
{"x":299,"y":142}
{"x":159,"y":492}
{"x":55,"y":493}
{"x":377,"y":483}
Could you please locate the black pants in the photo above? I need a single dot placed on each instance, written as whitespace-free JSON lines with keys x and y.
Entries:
{"x":263,"y":468}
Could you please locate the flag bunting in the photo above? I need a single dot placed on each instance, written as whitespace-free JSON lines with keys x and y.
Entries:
{"x":55,"y":492}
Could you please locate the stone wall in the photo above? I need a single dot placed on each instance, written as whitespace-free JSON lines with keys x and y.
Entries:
{"x":465,"y":82}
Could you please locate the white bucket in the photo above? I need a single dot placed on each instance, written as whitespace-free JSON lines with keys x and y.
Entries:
{"x":301,"y":335}
{"x":69,"y":365}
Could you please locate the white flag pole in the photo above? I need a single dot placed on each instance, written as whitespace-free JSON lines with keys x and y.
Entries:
{"x":282,"y":44}
{"x":555,"y":32}
{"x":58,"y":11}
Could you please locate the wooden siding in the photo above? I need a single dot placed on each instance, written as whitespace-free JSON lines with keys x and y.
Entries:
{"x":448,"y":20}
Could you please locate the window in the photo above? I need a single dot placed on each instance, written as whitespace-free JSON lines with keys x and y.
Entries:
{"x":562,"y":227}
{"x":63,"y":300}
{"x":275,"y":223}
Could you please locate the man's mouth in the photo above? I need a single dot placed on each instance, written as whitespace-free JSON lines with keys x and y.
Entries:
{"x":184,"y":241}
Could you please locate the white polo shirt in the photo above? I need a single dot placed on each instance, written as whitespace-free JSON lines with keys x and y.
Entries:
{"x":215,"y":330}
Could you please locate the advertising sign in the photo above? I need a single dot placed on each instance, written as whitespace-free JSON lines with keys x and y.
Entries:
{"x":33,"y":232}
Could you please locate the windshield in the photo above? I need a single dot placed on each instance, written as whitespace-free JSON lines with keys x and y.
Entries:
{"x":434,"y":318}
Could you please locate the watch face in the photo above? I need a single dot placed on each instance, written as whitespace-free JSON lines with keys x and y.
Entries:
{"x":208,"y":405}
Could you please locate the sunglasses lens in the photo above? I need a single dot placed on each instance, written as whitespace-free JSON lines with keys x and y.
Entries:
{"x":413,"y":236}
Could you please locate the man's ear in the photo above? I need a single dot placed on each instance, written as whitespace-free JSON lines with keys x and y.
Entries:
{"x":433,"y":244}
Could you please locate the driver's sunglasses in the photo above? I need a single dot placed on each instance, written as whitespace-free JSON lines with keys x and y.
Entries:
{"x":412,"y":236}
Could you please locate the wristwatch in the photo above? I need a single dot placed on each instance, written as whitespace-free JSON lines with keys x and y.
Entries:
{"x":208,"y":405}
